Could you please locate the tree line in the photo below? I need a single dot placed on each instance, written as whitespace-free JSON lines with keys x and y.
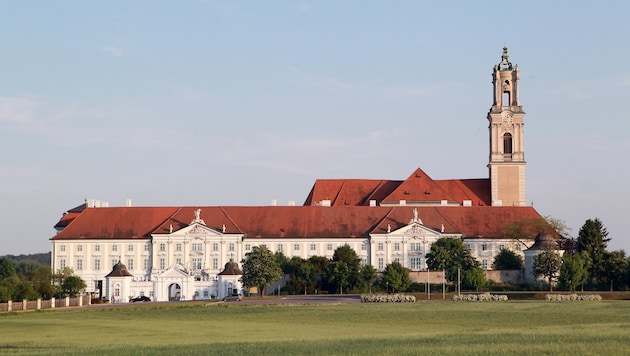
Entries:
{"x":31,"y":280}
{"x":586,"y":262}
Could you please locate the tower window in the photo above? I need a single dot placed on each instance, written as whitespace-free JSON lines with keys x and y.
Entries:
{"x":507,"y":143}
{"x":506,"y":98}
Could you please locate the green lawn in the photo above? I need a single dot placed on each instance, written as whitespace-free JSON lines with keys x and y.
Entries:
{"x":515,"y":327}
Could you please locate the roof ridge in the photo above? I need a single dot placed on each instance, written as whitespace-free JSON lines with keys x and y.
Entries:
{"x":238,"y":228}
{"x":439,"y":211}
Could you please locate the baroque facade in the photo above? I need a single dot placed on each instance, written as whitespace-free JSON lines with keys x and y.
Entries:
{"x":188,"y":253}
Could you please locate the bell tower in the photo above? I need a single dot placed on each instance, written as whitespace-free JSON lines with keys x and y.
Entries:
{"x":507,"y":154}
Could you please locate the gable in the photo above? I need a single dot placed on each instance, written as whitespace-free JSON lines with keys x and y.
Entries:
{"x":173,"y":272}
{"x":418,"y":188}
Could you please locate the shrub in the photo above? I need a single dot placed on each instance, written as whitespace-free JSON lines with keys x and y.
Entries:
{"x":480,"y":297}
{"x":387,"y":298}
{"x":564,"y":297}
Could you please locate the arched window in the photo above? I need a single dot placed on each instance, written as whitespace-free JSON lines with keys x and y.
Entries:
{"x":507,"y":143}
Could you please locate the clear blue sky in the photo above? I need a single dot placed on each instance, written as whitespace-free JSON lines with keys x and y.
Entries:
{"x":241,"y":102}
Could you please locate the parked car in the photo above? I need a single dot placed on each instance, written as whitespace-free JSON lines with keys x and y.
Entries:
{"x":142,"y":298}
{"x":232,"y":298}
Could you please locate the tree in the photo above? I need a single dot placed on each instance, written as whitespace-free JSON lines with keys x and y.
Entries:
{"x":507,"y":259}
{"x":593,"y":238}
{"x":346,"y":254}
{"x":319,"y":263}
{"x":547,"y":264}
{"x":73,"y":285}
{"x":474,"y":278}
{"x":614,"y":268}
{"x":367,"y":275}
{"x":7,"y":268}
{"x":574,"y":270}
{"x":450,"y":254}
{"x":396,"y":277}
{"x":41,"y":282}
{"x":306,"y":276}
{"x":338,"y":275}
{"x":557,"y":225}
{"x":260,"y":267}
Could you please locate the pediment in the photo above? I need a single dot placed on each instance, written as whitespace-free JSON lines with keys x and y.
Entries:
{"x":198,"y":230}
{"x":173,"y":272}
{"x":417,"y":230}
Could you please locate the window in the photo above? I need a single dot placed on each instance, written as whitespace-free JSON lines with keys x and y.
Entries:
{"x":518,"y":247}
{"x":178,"y":260}
{"x":62,"y":263}
{"x":329,"y":247}
{"x":396,"y":246}
{"x":414,"y":263}
{"x":507,"y":143}
{"x":296,"y":247}
{"x":501,"y":247}
{"x":397,"y":259}
{"x":484,"y":264}
{"x":364,"y":246}
{"x":130,"y":248}
{"x":231,"y":246}
{"x":484,"y":247}
{"x":162,"y":263}
{"x":248,"y":247}
{"x":197,"y":246}
{"x":97,"y":248}
{"x":380,"y":263}
{"x":468,"y":246}
{"x":62,"y":248}
{"x":146,"y":247}
{"x":178,"y":246}
{"x":215,"y":263}
{"x":80,"y":248}
{"x":79,"y":264}
{"x":114,"y":248}
{"x":114,"y":261}
{"x":313,"y":247}
{"x":162,"y":246}
{"x":130,"y":263}
{"x":280,"y":247}
{"x":97,"y":264}
{"x":117,"y":291}
{"x":364,"y":261}
{"x":145,"y":264}
{"x":415,"y":246}
{"x":205,"y":293}
{"x":380,"y":246}
{"x":196,"y":262}
{"x":215,"y":246}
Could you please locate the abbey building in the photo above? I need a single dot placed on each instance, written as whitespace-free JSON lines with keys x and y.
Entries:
{"x":192,"y":252}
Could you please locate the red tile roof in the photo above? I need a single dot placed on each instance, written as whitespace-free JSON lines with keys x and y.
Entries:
{"x":354,"y":192}
{"x":115,"y":223}
{"x":270,"y":222}
{"x":419,"y":187}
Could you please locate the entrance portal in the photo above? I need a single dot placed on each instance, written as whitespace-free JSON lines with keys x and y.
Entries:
{"x":174,"y":292}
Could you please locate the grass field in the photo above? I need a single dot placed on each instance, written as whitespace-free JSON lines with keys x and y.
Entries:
{"x":515,"y":327}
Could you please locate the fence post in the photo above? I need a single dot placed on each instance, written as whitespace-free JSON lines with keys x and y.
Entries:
{"x":39,"y":303}
{"x":9,"y":305}
{"x":67,"y":302}
{"x":24,"y":304}
{"x":52,"y":303}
